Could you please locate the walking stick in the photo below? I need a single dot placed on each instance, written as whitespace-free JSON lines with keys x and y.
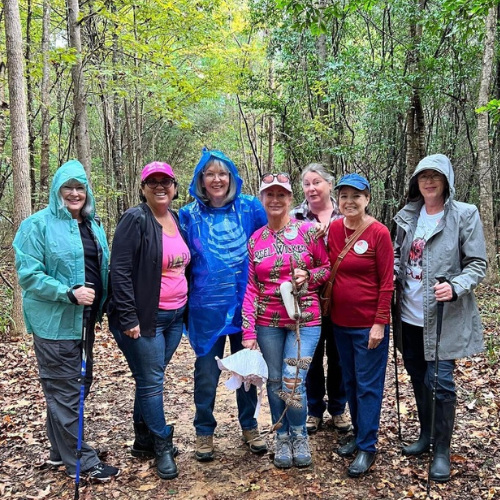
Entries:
{"x":395,"y":356}
{"x":439,"y":325}
{"x":83,"y":373}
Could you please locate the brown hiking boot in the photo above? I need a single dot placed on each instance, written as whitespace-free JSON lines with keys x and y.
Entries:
{"x":254,"y":440}
{"x":204,"y":448}
{"x":342,"y":422}
{"x":313,"y":424}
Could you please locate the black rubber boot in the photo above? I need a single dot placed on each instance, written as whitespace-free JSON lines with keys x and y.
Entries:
{"x":445,"y":419}
{"x":423,"y":397}
{"x":164,"y":451}
{"x":143,"y":446}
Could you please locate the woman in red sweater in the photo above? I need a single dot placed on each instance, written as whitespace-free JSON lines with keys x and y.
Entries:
{"x":360,"y":312}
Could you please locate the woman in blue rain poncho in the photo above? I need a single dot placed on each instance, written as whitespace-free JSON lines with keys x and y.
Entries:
{"x":217,"y":226}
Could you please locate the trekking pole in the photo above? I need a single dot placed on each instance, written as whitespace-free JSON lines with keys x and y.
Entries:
{"x":395,"y":356}
{"x":83,"y":373}
{"x":439,"y":325}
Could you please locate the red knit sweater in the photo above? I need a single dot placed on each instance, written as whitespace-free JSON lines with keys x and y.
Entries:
{"x":363,"y":286}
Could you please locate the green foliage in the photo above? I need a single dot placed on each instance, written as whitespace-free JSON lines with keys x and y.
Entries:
{"x":493,"y":108}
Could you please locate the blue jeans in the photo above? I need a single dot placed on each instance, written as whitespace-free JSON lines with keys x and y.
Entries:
{"x":206,"y":379}
{"x":148,"y":358}
{"x":315,"y":381}
{"x":422,"y":371}
{"x":276,"y":345}
{"x":363,"y":370}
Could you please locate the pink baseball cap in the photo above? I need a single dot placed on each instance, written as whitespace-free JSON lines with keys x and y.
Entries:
{"x":157,"y":167}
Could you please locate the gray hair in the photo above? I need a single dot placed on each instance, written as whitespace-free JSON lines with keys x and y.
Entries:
{"x":317,"y":168}
{"x":87,"y":208}
{"x":200,"y":190}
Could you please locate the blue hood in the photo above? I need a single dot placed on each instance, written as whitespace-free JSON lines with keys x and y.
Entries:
{"x":206,"y":154}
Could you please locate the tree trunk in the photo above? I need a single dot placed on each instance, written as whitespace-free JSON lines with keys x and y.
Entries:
{"x":415,"y":123}
{"x":19,"y":134}
{"x":79,"y":98}
{"x":116,"y":140}
{"x":30,"y":101}
{"x":45,"y":109}
{"x":483,"y":148}
{"x":271,"y":125}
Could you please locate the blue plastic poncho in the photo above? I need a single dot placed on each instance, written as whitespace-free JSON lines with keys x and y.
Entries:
{"x":217,"y":239}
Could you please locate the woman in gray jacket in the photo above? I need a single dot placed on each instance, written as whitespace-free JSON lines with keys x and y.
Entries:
{"x":437,"y":237}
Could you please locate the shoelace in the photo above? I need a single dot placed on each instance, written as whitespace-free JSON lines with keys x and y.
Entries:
{"x":301,"y":446}
{"x":205,"y":440}
{"x":283,"y":448}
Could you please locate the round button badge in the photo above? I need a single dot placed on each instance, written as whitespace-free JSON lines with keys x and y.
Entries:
{"x":360,"y":247}
{"x":291,"y":233}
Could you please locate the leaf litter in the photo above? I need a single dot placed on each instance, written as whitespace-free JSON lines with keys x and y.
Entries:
{"x":236,"y":473}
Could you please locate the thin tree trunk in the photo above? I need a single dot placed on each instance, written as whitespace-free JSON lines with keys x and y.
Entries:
{"x":415,"y":123}
{"x":45,"y":109}
{"x":79,"y":98}
{"x":19,"y":134}
{"x":116,"y":140}
{"x":483,"y":148}
{"x":3,"y":109}
{"x":30,"y":100}
{"x":271,"y":125}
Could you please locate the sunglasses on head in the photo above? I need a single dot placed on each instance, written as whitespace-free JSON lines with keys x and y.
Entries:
{"x":269,"y":178}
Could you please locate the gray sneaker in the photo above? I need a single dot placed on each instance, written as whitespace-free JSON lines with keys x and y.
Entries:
{"x":282,"y":452}
{"x":301,"y":451}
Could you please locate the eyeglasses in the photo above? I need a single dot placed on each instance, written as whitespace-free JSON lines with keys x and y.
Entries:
{"x":166,"y":183}
{"x":212,"y":175}
{"x":70,"y":189}
{"x":269,"y":178}
{"x":430,"y":177}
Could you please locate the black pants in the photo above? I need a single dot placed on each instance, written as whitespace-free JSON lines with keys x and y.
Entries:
{"x":422,"y":371}
{"x":315,"y":380}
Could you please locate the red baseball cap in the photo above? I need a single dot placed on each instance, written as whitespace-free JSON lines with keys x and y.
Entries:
{"x":157,"y":167}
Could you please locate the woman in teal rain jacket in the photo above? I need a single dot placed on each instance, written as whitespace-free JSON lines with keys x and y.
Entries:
{"x":60,"y":251}
{"x":217,"y":226}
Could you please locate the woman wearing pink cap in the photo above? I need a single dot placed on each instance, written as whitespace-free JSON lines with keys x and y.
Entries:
{"x":147,"y":306}
{"x":282,"y":244}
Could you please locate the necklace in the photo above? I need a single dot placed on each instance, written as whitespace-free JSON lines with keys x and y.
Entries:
{"x":347,"y":238}
{"x":345,"y":232}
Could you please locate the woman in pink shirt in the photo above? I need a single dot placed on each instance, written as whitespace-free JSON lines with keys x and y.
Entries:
{"x":147,"y":306}
{"x":265,"y":319}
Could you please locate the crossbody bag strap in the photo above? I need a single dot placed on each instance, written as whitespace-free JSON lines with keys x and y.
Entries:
{"x":348,"y":246}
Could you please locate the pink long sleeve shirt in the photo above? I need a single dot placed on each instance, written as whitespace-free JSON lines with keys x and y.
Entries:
{"x":269,"y":266}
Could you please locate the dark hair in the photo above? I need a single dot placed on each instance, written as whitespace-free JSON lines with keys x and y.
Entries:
{"x":142,"y":198}
{"x":414,"y":193}
{"x":366,"y":192}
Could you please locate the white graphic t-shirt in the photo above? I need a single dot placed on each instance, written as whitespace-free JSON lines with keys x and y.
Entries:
{"x":412,"y":311}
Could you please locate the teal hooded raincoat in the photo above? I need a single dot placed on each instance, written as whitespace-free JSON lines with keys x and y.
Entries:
{"x":50,"y":261}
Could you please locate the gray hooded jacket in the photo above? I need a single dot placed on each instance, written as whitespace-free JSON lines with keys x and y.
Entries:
{"x":456,"y":250}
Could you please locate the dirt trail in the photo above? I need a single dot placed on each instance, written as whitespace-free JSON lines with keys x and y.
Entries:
{"x":235,"y":473}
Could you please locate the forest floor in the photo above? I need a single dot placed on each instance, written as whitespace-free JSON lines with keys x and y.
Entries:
{"x":236,"y":473}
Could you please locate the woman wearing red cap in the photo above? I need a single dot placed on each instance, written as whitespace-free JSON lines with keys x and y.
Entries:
{"x":148,"y":301}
